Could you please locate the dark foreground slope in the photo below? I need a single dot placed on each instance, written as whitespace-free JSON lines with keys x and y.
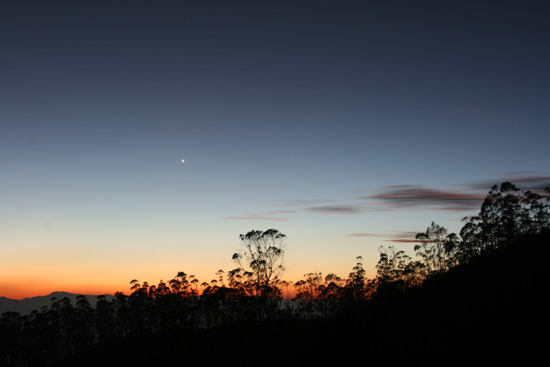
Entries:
{"x":489,"y":311}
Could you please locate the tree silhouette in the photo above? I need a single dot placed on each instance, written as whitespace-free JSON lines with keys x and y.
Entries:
{"x":105,"y":321}
{"x":260,"y":260}
{"x":311,"y":287}
{"x":356,"y":287}
{"x":310,"y":295}
{"x":246,"y":303}
{"x":507,"y":213}
{"x":396,"y":271}
{"x":436,"y":248}
{"x":11,"y":330}
{"x":84,"y":322}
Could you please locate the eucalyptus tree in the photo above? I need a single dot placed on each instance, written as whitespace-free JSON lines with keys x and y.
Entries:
{"x":391,"y":265}
{"x":11,"y":327}
{"x":307,"y":294}
{"x":538,"y":210}
{"x":62,"y":319}
{"x":122,"y":314}
{"x":499,"y":214}
{"x":472,"y":238}
{"x":507,"y":212}
{"x":333,"y":288}
{"x":139,"y":308}
{"x":106,"y":327}
{"x":436,"y":248}
{"x":84,"y":322}
{"x":311,"y":287}
{"x":397,"y":271}
{"x":179,"y":285}
{"x":357,"y":285}
{"x":260,"y":260}
{"x":318,"y":296}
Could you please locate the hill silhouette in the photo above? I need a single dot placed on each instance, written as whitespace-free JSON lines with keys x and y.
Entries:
{"x":27,"y":305}
{"x":487,"y":311}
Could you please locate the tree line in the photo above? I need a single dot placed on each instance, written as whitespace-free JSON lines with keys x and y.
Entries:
{"x":253,"y":291}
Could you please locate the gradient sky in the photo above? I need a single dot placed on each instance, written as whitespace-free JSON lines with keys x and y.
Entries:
{"x":346,"y":125}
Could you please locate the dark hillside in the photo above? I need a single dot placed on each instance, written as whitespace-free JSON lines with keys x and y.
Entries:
{"x":488,"y":311}
{"x":492,"y":308}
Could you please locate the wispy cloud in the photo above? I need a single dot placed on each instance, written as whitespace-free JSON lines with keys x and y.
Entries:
{"x":335,"y":209}
{"x":524,"y":180}
{"x":397,"y":237}
{"x":406,"y":196}
{"x":404,"y":240}
{"x":403,"y":237}
{"x":466,"y":197}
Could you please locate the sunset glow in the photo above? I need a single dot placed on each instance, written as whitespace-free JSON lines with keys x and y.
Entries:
{"x":345,"y":126}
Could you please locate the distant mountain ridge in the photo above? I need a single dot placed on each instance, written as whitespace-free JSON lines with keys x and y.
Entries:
{"x":27,"y":305}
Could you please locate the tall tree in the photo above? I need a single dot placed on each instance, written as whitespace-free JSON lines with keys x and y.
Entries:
{"x":356,"y":285}
{"x":105,"y":326}
{"x":506,"y":214}
{"x":262,"y":256}
{"x":84,"y":322}
{"x":435,"y":247}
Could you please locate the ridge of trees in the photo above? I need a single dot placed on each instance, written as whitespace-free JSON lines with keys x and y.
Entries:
{"x":252,"y":292}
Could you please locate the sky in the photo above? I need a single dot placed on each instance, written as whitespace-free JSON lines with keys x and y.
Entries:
{"x":346,"y":125}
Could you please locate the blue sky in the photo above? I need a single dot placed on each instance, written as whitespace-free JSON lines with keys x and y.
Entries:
{"x":346,"y":125}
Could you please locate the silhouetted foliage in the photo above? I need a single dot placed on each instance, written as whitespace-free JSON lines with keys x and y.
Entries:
{"x":357,"y":286}
{"x":506,"y":215}
{"x":260,"y":262}
{"x":465,"y":292}
{"x":396,"y":271}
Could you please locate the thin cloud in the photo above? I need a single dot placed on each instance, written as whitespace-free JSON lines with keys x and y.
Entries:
{"x":335,"y":209}
{"x":467,"y":198}
{"x":404,"y":240}
{"x":523,"y":180}
{"x":403,"y":237}
{"x":310,"y":206}
{"x":399,"y":237}
{"x":418,"y":196}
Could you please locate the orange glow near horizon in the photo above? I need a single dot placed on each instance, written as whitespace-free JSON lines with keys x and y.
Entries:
{"x":44,"y":289}
{"x":40,"y":273}
{"x":28,"y":287}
